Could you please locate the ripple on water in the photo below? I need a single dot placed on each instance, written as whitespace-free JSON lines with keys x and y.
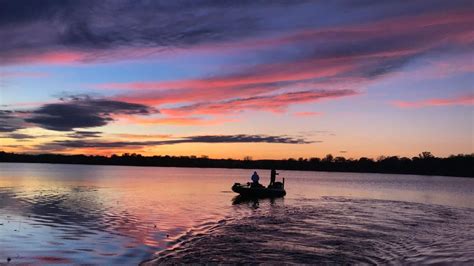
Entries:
{"x":65,"y":226}
{"x":334,"y":230}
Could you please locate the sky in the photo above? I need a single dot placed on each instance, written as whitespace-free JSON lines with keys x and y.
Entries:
{"x":230,"y":79}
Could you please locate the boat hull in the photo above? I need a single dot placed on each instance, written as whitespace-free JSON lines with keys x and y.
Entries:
{"x":262,"y":192}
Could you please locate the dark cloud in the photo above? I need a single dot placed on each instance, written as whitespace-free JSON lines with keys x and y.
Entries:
{"x":84,"y":134}
{"x":83,"y":112}
{"x":70,"y":113}
{"x":17,"y":136}
{"x":38,"y":27}
{"x":27,"y":11}
{"x":10,"y":122}
{"x":12,"y":146}
{"x":30,"y":27}
{"x":245,"y":138}
{"x":192,"y":139}
{"x":109,"y":23}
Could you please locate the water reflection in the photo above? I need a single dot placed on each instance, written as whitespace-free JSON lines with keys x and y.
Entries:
{"x":255,"y":202}
{"x":119,"y":214}
{"x":61,"y":226}
{"x":72,"y":214}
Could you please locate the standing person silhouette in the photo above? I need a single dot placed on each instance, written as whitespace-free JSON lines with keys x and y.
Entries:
{"x":273,"y":174}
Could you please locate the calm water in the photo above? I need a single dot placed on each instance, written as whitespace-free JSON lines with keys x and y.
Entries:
{"x":63,"y":214}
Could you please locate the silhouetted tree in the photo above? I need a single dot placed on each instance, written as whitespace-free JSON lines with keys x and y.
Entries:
{"x":426,"y":155}
{"x":328,"y":159}
{"x":425,"y":163}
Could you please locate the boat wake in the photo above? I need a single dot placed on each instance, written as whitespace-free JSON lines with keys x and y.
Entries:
{"x":333,"y":230}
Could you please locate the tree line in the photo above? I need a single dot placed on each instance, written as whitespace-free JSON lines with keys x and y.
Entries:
{"x":423,"y":164}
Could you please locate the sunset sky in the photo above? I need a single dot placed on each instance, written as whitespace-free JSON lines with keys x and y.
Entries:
{"x":228,"y":79}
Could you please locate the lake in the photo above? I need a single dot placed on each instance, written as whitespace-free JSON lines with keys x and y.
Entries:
{"x":82,"y":214}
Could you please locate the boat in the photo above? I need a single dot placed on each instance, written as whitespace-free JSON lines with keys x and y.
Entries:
{"x":250,"y":190}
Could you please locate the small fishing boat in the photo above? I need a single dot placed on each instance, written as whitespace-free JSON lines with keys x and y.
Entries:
{"x":258,"y":191}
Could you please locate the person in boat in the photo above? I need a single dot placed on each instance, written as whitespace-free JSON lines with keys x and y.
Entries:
{"x":255,"y":178}
{"x":273,"y":174}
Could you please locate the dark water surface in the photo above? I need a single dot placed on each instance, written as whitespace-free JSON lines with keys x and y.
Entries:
{"x":77,"y":214}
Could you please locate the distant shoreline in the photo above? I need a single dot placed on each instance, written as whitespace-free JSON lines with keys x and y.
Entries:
{"x":425,"y":164}
{"x":199,"y":167}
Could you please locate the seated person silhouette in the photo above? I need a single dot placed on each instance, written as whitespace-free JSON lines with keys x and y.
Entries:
{"x":255,"y":178}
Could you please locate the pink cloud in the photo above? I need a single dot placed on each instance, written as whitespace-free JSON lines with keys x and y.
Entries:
{"x":176,"y":121}
{"x":448,"y":68}
{"x":71,"y":56}
{"x":306,"y":114}
{"x":266,"y":86}
{"x":461,"y":100}
{"x":274,"y":103}
{"x":143,"y":136}
{"x":57,"y":57}
{"x":334,"y":69}
{"x":262,"y":79}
